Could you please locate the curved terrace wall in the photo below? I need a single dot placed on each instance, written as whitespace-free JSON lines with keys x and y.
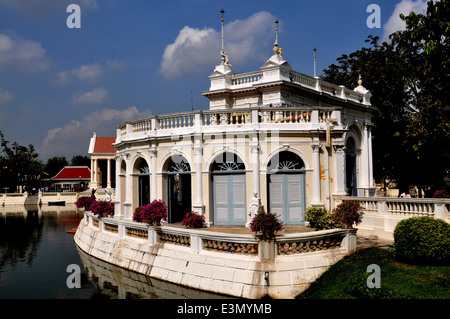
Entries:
{"x":223,"y":263}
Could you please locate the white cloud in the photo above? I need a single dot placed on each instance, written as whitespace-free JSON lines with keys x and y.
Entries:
{"x":95,"y":96}
{"x":198,"y":50}
{"x":73,"y":138}
{"x":5,"y":97}
{"x":21,"y":53}
{"x":394,"y":23}
{"x":84,"y":72}
{"x":91,"y":72}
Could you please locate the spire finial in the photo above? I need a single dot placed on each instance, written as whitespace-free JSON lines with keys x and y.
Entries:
{"x":222,"y":12}
{"x":223,"y":54}
{"x":360,"y":80}
{"x":276,"y":50}
{"x":314,"y":61}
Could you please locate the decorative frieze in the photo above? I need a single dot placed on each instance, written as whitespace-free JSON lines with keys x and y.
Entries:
{"x":236,"y":248}
{"x":290,"y":248}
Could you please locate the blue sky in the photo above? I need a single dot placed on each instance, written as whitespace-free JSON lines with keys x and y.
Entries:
{"x":134,"y":58}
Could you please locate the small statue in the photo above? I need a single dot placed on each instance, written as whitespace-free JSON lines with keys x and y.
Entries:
{"x":108,"y":195}
{"x":225,"y":59}
{"x":255,"y":205}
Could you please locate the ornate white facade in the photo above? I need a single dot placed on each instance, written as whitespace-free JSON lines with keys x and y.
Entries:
{"x":274,"y":139}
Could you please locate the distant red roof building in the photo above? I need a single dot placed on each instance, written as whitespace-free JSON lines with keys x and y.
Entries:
{"x":73,"y":173}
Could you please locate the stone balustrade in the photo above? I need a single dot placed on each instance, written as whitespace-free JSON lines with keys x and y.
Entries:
{"x":200,"y":239}
{"x":381,"y":214}
{"x":285,"y":117}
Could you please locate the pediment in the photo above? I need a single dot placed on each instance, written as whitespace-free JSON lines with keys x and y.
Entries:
{"x":276,"y":61}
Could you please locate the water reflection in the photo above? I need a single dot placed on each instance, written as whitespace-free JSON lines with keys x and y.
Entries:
{"x":20,"y":237}
{"x":119,"y":283}
{"x":36,"y":248}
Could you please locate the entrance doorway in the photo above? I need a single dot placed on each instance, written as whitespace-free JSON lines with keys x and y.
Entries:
{"x":229,"y":195}
{"x":286,"y":187}
{"x":179,"y":200}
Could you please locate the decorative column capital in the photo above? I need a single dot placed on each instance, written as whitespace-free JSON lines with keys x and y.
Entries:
{"x":316,"y":147}
{"x":339,"y":148}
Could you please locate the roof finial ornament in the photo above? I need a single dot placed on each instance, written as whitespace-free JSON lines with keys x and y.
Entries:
{"x":359,"y":80}
{"x":224,"y":55}
{"x":276,"y":49}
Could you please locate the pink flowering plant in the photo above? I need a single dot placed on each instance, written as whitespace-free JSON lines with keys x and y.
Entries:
{"x":441,"y":194}
{"x":347,"y":213}
{"x":266,"y":225}
{"x":102,"y":208}
{"x":85,"y":202}
{"x":151,"y":213}
{"x":193,"y":220}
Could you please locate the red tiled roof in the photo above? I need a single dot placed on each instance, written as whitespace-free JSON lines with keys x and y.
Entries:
{"x":103,"y":145}
{"x":74,"y":172}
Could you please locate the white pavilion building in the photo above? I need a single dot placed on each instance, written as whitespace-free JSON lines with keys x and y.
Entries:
{"x":272,"y":139}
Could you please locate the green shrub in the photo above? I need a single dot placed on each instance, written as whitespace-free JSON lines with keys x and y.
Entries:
{"x":319,"y":218}
{"x":422,"y":240}
{"x":347,"y":213}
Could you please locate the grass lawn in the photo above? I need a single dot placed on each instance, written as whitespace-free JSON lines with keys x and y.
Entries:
{"x":347,"y":279}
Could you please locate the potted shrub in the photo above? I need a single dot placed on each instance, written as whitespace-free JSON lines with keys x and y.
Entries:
{"x":347,"y":214}
{"x":85,"y":202}
{"x":266,"y":225}
{"x":193,"y":220}
{"x":151,"y":213}
{"x":102,"y":208}
{"x":319,"y":218}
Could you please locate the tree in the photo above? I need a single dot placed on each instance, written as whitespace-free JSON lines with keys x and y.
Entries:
{"x":80,"y":160}
{"x":55,"y":164}
{"x":381,"y":69}
{"x":410,"y":85}
{"x":425,"y":46}
{"x":19,"y":165}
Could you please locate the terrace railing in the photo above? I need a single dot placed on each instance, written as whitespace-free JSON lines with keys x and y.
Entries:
{"x":284,"y":117}
{"x":404,"y":207}
{"x":227,"y":243}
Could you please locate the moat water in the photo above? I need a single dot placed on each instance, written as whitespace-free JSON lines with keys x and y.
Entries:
{"x":36,"y":250}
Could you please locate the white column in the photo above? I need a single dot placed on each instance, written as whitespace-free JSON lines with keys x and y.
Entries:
{"x":316,"y":175}
{"x":255,"y":160}
{"x":92,"y":170}
{"x":370,"y":157}
{"x":153,"y":182}
{"x":108,"y":174}
{"x":117,"y":207}
{"x":199,"y":206}
{"x":339,"y":162}
{"x":127,"y":205}
{"x":365,"y":158}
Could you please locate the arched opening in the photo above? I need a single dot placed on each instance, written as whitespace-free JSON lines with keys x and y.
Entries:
{"x":143,"y":182}
{"x":350,"y":167}
{"x":286,"y":187}
{"x":229,"y":195}
{"x":179,"y":196}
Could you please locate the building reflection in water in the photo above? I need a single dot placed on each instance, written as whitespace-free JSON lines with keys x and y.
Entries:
{"x":120,"y":283}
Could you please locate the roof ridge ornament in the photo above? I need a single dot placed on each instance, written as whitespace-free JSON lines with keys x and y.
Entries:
{"x":276,"y":49}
